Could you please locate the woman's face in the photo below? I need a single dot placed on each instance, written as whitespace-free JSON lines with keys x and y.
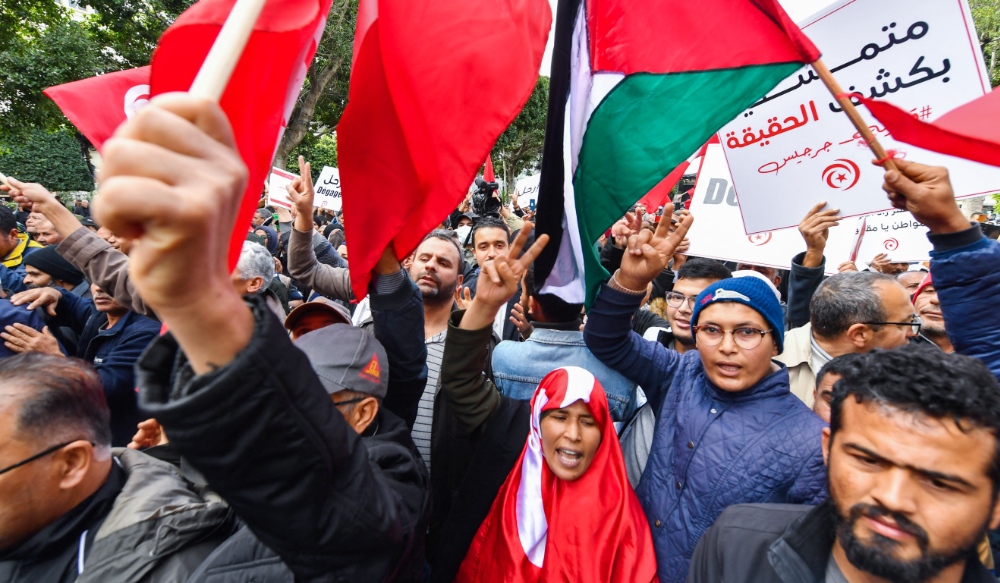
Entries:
{"x":570,"y":438}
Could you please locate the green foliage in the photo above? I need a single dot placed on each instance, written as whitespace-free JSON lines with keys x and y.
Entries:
{"x":131,"y":28}
{"x":519,"y":147}
{"x":319,"y":152}
{"x":54,"y":160}
{"x":62,"y":53}
{"x":25,"y":18}
{"x":986,"y":15}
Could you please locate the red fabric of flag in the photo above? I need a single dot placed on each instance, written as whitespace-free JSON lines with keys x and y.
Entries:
{"x":660,"y":193}
{"x":488,"y":175}
{"x":424,"y":109}
{"x":971,"y":131}
{"x":98,"y":105}
{"x":263,"y":88}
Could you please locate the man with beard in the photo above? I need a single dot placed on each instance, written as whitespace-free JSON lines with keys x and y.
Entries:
{"x":435,"y":271}
{"x":912,"y":456}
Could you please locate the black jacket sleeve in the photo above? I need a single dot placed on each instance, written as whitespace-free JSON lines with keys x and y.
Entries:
{"x":663,"y":284}
{"x":265,"y":434}
{"x":802,"y":284}
{"x":611,"y":256}
{"x":399,"y":327}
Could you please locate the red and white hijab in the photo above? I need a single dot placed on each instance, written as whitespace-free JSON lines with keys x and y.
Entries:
{"x":542,"y":528}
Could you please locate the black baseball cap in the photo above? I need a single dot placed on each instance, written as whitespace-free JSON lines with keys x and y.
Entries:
{"x":347,"y":358}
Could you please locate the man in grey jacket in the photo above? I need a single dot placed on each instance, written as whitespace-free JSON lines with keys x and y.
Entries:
{"x":74,"y":510}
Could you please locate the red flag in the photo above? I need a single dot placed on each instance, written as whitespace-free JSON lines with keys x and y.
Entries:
{"x":971,"y":131}
{"x":488,"y":175}
{"x":424,"y":109}
{"x":660,"y":193}
{"x":264,"y":86}
{"x":98,"y":105}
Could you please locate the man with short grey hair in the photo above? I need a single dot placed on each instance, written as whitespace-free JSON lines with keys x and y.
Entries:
{"x":851,"y":312}
{"x":74,"y":510}
{"x":254,"y":270}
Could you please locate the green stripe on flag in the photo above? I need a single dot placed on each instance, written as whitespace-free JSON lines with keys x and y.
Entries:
{"x":644,"y":128}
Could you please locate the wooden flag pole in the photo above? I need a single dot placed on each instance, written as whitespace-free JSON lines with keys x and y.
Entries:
{"x":852,"y":113}
{"x":218,"y":67}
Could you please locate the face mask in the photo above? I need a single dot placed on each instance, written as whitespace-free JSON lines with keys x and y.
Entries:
{"x":463,"y":233}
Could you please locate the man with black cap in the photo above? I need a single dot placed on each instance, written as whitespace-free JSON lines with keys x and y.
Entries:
{"x":46,"y":268}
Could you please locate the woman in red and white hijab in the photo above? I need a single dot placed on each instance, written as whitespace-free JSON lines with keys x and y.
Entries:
{"x":566,"y":511}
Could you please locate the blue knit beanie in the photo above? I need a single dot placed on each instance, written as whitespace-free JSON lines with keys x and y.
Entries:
{"x":751,"y":292}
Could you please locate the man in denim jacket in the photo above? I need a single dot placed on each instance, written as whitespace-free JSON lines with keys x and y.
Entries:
{"x":556,"y":340}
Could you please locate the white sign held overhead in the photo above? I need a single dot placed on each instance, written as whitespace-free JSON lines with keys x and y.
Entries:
{"x":527,"y":191}
{"x":276,"y":193}
{"x":717,"y":231}
{"x":327,"y":189}
{"x":795,"y":147}
{"x":897,"y":234}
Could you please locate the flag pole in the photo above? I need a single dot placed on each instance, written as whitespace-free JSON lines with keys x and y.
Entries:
{"x":852,"y":114}
{"x":218,"y":67}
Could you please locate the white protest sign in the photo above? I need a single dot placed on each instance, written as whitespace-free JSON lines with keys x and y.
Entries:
{"x":527,"y":189}
{"x":327,"y":189}
{"x":276,"y":193}
{"x":897,"y":234}
{"x":795,"y":147}
{"x":717,"y":231}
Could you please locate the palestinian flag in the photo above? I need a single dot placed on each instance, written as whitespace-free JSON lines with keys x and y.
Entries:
{"x":636,"y":88}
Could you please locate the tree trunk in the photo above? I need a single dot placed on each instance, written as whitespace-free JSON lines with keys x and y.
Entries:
{"x":298,"y":125}
{"x":85,"y":149}
{"x":993,"y":61}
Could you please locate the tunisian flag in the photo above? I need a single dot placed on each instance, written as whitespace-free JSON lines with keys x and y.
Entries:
{"x":433,"y":84}
{"x":971,"y":131}
{"x":98,"y":105}
{"x":264,"y":86}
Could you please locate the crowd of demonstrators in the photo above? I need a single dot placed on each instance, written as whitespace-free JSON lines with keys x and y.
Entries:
{"x":700,"y":421}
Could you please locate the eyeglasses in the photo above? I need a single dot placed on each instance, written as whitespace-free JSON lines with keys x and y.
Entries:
{"x":745,"y":337}
{"x":676,"y":300}
{"x":349,"y":401}
{"x":39,"y":455}
{"x":914,"y":324}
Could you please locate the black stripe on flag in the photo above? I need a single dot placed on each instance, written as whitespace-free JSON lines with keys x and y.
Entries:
{"x":549,"y":212}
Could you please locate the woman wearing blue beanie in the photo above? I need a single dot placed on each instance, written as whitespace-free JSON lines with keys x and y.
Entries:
{"x":728,"y":430}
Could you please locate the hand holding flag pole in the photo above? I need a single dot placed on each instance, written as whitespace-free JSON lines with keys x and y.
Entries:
{"x":845,"y":103}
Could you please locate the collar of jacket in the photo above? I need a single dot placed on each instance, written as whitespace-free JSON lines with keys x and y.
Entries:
{"x":772,"y":385}
{"x":117,"y":328}
{"x":573,"y":326}
{"x":15,"y":257}
{"x":798,"y":347}
{"x":801,"y":553}
{"x":65,"y":531}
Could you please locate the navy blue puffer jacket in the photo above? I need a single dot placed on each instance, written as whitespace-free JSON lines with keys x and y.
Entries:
{"x":711,"y":449}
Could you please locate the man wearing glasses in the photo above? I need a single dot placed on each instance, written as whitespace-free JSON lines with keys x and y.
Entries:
{"x":728,"y":430}
{"x":74,"y":510}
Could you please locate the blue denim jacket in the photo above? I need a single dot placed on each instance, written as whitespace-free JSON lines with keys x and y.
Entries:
{"x":518,"y":367}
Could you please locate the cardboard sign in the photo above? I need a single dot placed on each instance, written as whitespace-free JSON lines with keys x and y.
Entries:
{"x":795,"y":147}
{"x":327,"y":189}
{"x":276,"y":193}
{"x":527,"y":191}
{"x":897,"y":234}
{"x":717,"y":232}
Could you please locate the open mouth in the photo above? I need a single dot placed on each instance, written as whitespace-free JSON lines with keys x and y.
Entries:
{"x":569,"y":457}
{"x":728,"y":369}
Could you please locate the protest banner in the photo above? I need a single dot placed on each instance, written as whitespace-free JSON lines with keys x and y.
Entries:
{"x":527,"y":191}
{"x":897,"y":234}
{"x":327,"y":189}
{"x":276,"y":193}
{"x":795,"y":147}
{"x":717,"y":232}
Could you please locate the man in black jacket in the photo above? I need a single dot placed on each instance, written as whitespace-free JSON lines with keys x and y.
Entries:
{"x":243,"y":406}
{"x":914,"y":474}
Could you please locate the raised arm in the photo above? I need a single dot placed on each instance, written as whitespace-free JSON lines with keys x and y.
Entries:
{"x":332,"y":282}
{"x":808,"y":268}
{"x":237,"y":399}
{"x":608,"y":332}
{"x":964,"y":264}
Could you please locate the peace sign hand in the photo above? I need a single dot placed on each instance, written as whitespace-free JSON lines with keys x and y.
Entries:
{"x":300,"y":191}
{"x":648,"y":253}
